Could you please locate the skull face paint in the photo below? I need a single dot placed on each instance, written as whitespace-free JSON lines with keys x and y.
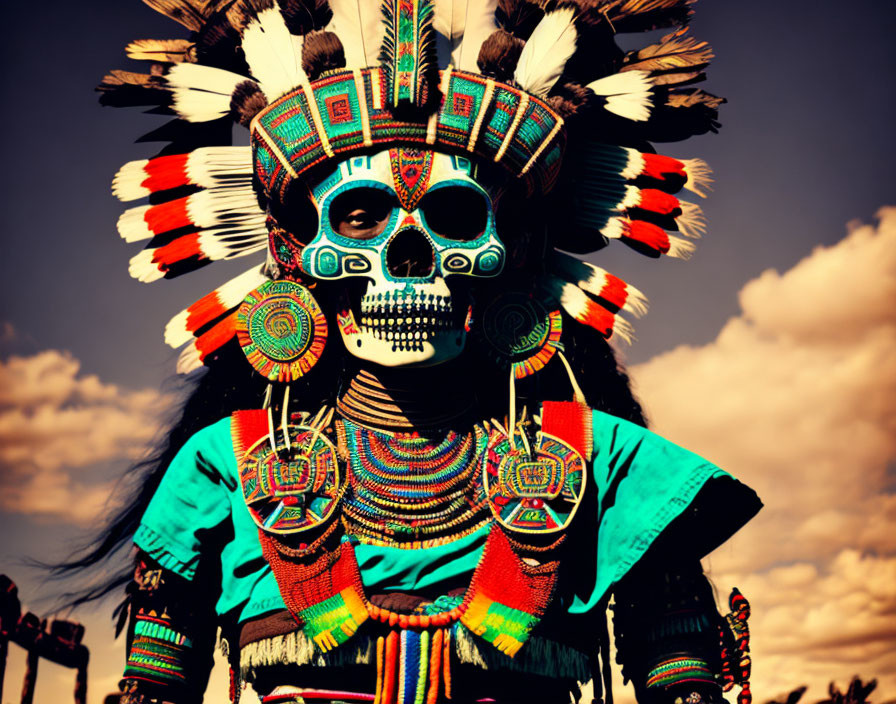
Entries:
{"x":405,"y":220}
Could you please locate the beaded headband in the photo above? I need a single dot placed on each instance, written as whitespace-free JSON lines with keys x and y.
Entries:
{"x":348,"y":110}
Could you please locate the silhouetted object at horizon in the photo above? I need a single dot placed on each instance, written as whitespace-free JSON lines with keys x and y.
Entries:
{"x":59,"y":643}
{"x":856,"y":693}
{"x":791,"y":698}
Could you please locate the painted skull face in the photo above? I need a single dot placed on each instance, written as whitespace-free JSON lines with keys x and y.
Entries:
{"x":405,"y":220}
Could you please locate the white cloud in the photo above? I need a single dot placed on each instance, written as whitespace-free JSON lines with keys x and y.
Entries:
{"x":796,"y":397}
{"x":55,"y":421}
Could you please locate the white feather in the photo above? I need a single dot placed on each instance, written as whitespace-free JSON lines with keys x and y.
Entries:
{"x":699,"y":176}
{"x":201,"y":93}
{"x":126,"y":185}
{"x":635,"y":164}
{"x":545,"y":55}
{"x":626,"y":94}
{"x":143,"y":268}
{"x":219,"y":206}
{"x":211,"y":167}
{"x":227,"y":295}
{"x":680,"y":249}
{"x":461,"y":27}
{"x":614,"y":229}
{"x":692,"y":222}
{"x":359,"y":25}
{"x":274,"y":58}
{"x":132,"y":225}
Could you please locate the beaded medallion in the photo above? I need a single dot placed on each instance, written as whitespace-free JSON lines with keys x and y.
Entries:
{"x":518,"y":330}
{"x":537,"y":490}
{"x":281,"y":329}
{"x":295,"y":490}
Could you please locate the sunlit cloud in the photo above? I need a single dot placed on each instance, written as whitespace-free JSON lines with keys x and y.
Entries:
{"x":55,"y":423}
{"x":797,"y":396}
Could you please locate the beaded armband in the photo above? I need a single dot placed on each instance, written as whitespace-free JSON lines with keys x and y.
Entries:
{"x":680,"y":670}
{"x":160,"y":653}
{"x":666,"y":628}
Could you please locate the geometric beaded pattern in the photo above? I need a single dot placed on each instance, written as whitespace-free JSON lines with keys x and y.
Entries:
{"x":293,"y":490}
{"x":347,"y":112}
{"x":537,"y":489}
{"x":157,"y":654}
{"x":411,"y":491}
{"x":281,"y":329}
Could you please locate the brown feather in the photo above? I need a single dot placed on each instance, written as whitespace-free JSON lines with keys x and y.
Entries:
{"x":682,"y":99}
{"x":499,"y":54}
{"x":246,"y":102}
{"x":303,"y":16}
{"x":519,"y":17}
{"x":189,"y":13}
{"x":128,"y":89}
{"x":218,"y":44}
{"x":170,"y":51}
{"x":676,"y":59}
{"x":644,"y":15}
{"x":242,"y":12}
{"x":568,"y":99}
{"x":322,"y":51}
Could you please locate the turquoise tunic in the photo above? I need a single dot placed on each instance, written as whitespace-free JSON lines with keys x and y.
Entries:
{"x":643,"y":481}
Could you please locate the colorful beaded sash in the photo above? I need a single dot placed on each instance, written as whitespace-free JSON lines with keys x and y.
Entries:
{"x":477,"y":115}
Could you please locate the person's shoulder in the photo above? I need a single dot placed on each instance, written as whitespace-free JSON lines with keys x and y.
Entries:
{"x":212,"y":435}
{"x":606,"y":422}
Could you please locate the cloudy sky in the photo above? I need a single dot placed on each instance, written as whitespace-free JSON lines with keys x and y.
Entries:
{"x":772,"y":352}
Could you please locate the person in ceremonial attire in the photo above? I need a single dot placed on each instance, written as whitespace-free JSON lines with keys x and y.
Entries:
{"x":411,"y":469}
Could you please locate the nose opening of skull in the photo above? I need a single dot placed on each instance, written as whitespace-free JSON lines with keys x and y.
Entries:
{"x":410,"y":255}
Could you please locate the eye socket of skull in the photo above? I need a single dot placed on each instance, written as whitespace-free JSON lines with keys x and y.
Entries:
{"x":361,"y":213}
{"x":457,"y":213}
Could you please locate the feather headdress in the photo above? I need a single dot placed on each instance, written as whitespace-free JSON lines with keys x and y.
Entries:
{"x":501,"y":80}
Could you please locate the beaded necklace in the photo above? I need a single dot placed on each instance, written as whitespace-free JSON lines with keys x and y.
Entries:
{"x":410,"y":490}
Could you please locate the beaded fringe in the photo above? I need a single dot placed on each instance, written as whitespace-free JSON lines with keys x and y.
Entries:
{"x":540,"y":657}
{"x":298,"y":649}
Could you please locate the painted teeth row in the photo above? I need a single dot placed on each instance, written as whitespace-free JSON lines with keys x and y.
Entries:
{"x":397,"y":335}
{"x":425,"y":321}
{"x":407,"y":305}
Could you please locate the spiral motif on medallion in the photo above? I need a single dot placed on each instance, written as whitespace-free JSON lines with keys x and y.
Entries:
{"x":281,"y":329}
{"x":518,"y":330}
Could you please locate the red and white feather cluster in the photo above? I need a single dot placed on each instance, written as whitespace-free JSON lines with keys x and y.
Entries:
{"x":594,"y":296}
{"x":222,"y":220}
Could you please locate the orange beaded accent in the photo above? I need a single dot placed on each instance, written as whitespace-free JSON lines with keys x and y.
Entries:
{"x":413,"y":621}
